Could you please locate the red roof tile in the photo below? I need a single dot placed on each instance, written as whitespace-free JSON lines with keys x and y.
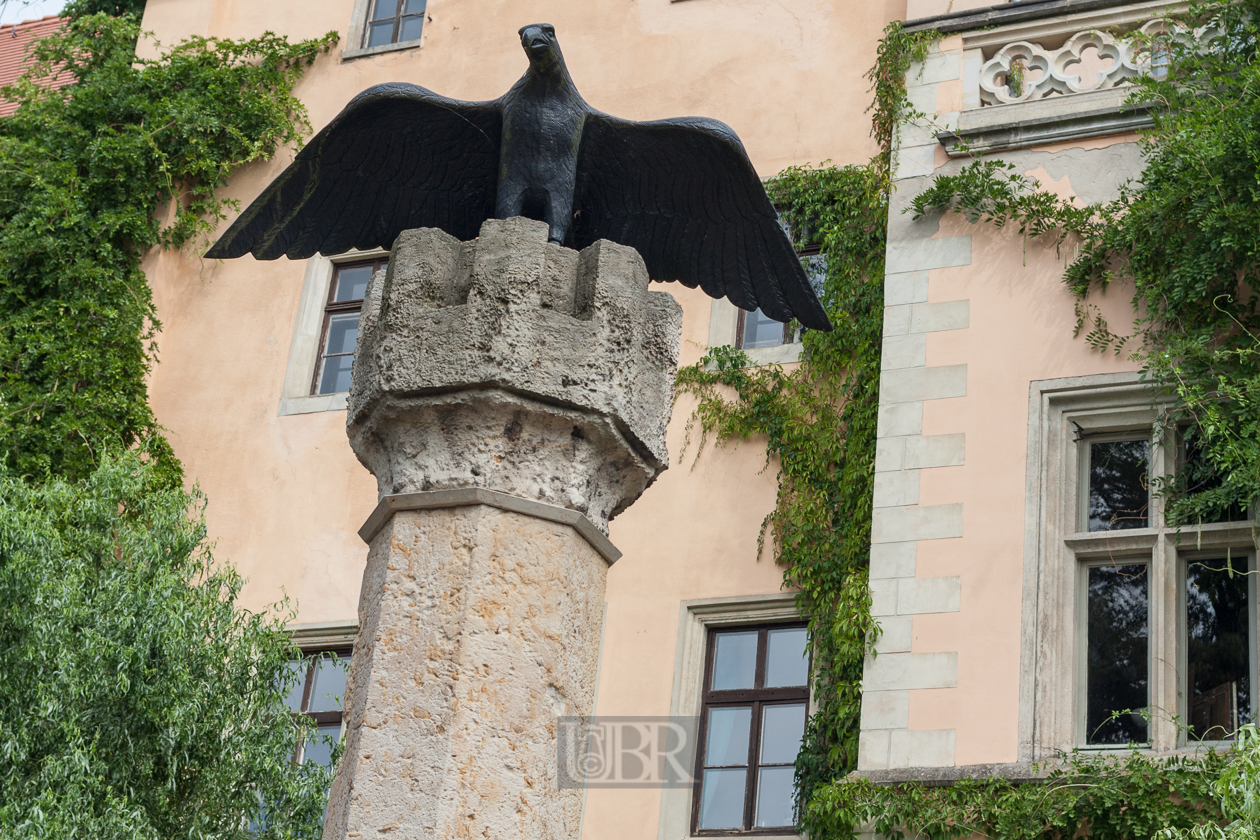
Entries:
{"x":14,"y":41}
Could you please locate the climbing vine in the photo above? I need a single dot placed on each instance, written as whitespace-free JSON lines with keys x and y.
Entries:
{"x":1116,"y":798}
{"x":83,"y":172}
{"x":819,"y":419}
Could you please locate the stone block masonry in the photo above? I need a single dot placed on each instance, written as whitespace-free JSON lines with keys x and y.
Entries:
{"x":902,"y":451}
{"x":510,"y":396}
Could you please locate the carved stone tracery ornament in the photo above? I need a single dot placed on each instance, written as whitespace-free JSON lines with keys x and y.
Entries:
{"x":1023,"y":71}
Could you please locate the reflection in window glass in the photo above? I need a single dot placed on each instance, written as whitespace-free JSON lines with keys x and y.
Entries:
{"x":728,"y":737}
{"x":294,"y":701}
{"x":760,"y":330}
{"x":734,"y":661}
{"x":1119,"y":490}
{"x":754,"y":712}
{"x":816,"y":270}
{"x":1117,"y":654}
{"x":319,"y":695}
{"x":352,"y":283}
{"x":329,"y":685}
{"x":318,"y":750}
{"x":722,"y":803}
{"x":782,"y":727}
{"x":389,"y":24}
{"x":1218,"y":658}
{"x":341,"y":325}
{"x":787,"y":657}
{"x":1197,"y":475}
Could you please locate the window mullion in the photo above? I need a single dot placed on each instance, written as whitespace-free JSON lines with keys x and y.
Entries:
{"x":754,"y":752}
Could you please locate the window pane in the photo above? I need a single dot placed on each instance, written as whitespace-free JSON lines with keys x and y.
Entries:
{"x":294,"y":701}
{"x":781,"y":731}
{"x":1198,"y":475}
{"x":787,"y":662}
{"x":336,"y":376}
{"x":735,"y":661}
{"x":1118,"y":488}
{"x":381,"y":33}
{"x":320,"y":750}
{"x":329,"y":689}
{"x":774,"y":797}
{"x":727,"y":736}
{"x":816,"y":270}
{"x":722,"y":799}
{"x":352,"y":283}
{"x":414,"y":7}
{"x":385,"y":9}
{"x":1117,"y":661}
{"x":411,"y":27}
{"x":343,"y":332}
{"x":761,"y":331}
{"x":1218,"y":649}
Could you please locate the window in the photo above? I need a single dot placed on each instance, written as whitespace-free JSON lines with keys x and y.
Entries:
{"x":1218,"y":621}
{"x":756,"y":329}
{"x":755,"y":701}
{"x":1117,"y":630}
{"x":319,"y":694}
{"x":341,"y":325}
{"x":1142,"y":632}
{"x":1216,"y":641}
{"x":1119,"y":493}
{"x":394,"y":22}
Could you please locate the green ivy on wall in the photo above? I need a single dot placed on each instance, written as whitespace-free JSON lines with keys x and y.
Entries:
{"x":83,"y":170}
{"x":1113,"y":798}
{"x":819,"y":419}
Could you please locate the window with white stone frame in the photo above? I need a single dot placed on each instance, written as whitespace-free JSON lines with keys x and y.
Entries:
{"x":320,"y":688}
{"x":378,"y":26}
{"x":755,"y":690}
{"x":1135,"y":632}
{"x":701,"y":625}
{"x":327,"y":319}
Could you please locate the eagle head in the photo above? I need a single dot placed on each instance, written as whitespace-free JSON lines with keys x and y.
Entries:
{"x":539,"y":41}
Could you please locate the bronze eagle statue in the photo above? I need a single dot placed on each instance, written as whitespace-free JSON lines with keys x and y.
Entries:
{"x":682,"y":192}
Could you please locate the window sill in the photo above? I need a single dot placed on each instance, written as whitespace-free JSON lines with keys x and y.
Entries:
{"x":780,"y":354}
{"x":1214,"y":535}
{"x":1055,"y":119}
{"x":313,"y":404}
{"x":350,"y":55}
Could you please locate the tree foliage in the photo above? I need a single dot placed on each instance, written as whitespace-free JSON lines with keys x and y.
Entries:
{"x":116,"y":8}
{"x":135,"y":700}
{"x":83,"y":170}
{"x":1187,"y":236}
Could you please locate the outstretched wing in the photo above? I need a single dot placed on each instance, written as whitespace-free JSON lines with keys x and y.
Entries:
{"x":397,"y":157}
{"x":684,"y":194}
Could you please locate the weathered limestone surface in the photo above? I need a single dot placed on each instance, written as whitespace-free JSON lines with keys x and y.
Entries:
{"x":517,"y":365}
{"x":513,"y":365}
{"x":478,"y":628}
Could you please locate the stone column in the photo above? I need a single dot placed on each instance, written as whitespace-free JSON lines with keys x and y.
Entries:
{"x":510,"y":396}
